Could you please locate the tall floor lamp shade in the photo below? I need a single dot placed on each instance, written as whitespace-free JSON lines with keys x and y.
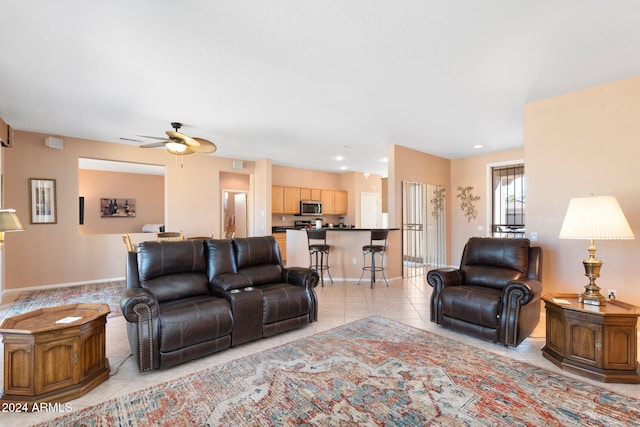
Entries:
{"x":594,"y":218}
{"x":8,"y":222}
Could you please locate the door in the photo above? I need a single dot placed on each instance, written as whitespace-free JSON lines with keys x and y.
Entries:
{"x":369,"y":210}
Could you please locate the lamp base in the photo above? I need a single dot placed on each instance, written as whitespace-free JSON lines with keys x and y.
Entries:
{"x":591,"y":294}
{"x":586,"y":298}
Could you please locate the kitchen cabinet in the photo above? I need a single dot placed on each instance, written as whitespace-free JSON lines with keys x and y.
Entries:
{"x":334,"y":202}
{"x":277,"y":199}
{"x":327,"y":199}
{"x":599,"y":342}
{"x":281,"y":239}
{"x":310,"y":194}
{"x":291,"y":200}
{"x":285,"y":200}
{"x":340,"y":202}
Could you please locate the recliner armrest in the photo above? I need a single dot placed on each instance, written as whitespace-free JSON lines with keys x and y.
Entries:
{"x":524,"y":290}
{"x":440,"y":278}
{"x":301,"y":276}
{"x":133,"y":298}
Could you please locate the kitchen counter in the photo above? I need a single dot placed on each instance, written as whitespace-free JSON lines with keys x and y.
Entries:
{"x":345,"y":257}
{"x":284,"y":228}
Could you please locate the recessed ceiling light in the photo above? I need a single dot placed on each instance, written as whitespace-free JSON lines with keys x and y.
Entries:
{"x":478,"y":146}
{"x":344,"y":168}
{"x":339,"y":158}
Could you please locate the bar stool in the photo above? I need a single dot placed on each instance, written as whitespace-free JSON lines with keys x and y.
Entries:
{"x":318,"y":248}
{"x":377,"y":245}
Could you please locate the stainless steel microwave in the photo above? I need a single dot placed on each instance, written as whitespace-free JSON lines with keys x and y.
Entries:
{"x":310,"y":207}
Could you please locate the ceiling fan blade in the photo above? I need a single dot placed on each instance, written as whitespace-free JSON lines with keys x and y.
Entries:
{"x":130,"y":139}
{"x":154,"y":145}
{"x":204,"y":147}
{"x":186,"y":139}
{"x":152,"y":137}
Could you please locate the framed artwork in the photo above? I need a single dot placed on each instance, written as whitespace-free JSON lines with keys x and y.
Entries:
{"x":117,"y":208}
{"x":42,"y":201}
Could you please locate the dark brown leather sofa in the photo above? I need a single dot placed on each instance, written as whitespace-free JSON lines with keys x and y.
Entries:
{"x":495,"y":294}
{"x":187,"y":299}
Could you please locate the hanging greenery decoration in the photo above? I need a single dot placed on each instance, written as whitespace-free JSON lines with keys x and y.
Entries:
{"x":468,"y":202}
{"x":437,"y":202}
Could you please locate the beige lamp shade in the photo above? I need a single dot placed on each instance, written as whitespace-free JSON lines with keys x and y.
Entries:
{"x":9,"y":221}
{"x":595,"y":218}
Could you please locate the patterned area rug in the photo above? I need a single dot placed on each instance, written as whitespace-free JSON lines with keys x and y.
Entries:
{"x":372,"y":372}
{"x":105,"y":293}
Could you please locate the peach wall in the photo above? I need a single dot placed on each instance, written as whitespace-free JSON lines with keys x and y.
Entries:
{"x":146,"y":190}
{"x":473,"y":172}
{"x":576,"y":144}
{"x":63,"y":255}
{"x":406,"y":164}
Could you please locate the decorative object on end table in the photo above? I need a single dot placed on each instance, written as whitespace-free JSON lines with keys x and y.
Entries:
{"x":594,"y":218}
{"x":8,"y":222}
{"x":42,"y":201}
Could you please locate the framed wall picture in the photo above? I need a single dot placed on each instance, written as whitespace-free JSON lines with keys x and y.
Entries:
{"x":42,"y":201}
{"x":117,"y":207}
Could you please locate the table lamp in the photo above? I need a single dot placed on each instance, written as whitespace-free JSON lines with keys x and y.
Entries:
{"x":8,"y":222}
{"x":594,"y":218}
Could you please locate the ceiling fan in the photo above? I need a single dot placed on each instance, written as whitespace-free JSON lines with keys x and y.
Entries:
{"x":179,"y":143}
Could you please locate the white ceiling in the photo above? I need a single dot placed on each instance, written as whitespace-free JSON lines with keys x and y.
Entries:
{"x":302,"y":81}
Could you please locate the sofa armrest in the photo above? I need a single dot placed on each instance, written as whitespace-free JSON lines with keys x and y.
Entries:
{"x":141,"y":310}
{"x":439,"y":279}
{"x":301,"y":276}
{"x":133,"y":299}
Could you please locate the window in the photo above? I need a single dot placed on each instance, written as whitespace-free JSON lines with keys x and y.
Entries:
{"x":508,"y":201}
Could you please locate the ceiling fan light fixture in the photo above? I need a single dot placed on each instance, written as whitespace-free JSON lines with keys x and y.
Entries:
{"x":177,"y":147}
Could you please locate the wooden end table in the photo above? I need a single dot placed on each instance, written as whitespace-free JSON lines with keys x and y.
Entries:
{"x":54,"y":354}
{"x":599,"y":342}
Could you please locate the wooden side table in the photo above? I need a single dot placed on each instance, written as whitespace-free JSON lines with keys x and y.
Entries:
{"x":54,"y":354}
{"x":599,"y":342}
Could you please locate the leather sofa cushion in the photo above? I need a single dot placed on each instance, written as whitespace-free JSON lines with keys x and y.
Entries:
{"x":282,"y":301}
{"x":230,"y":281}
{"x":220,"y":257}
{"x":157,"y":259}
{"x":506,"y":253}
{"x":473,"y":304}
{"x":494,"y":262}
{"x":192,"y":321}
{"x":262,"y":274}
{"x":177,"y":286}
{"x":256,"y":250}
{"x":489,"y":276}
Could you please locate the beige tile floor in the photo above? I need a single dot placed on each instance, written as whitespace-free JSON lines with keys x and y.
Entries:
{"x":406,"y":301}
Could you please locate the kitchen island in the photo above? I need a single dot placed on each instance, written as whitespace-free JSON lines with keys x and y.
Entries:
{"x":345,"y":257}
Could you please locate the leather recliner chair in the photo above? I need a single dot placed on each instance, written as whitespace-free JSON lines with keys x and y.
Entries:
{"x":495,"y":294}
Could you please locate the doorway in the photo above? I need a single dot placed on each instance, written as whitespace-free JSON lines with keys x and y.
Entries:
{"x":423,"y":228}
{"x":234,"y":214}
